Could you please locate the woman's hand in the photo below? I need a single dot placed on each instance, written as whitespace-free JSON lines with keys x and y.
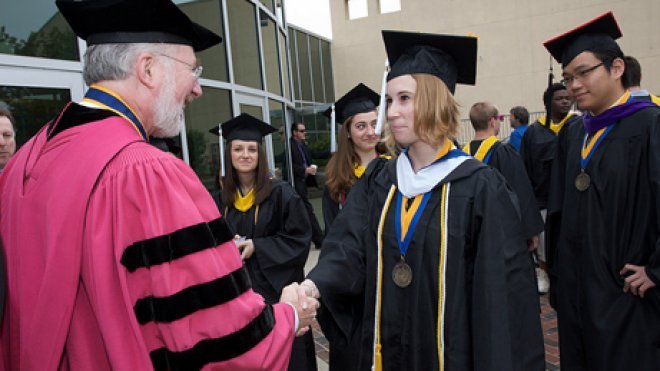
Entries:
{"x":246,"y":248}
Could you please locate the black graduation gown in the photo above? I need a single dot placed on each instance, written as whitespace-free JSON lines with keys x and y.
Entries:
{"x":281,"y":239}
{"x":343,"y":355}
{"x":507,"y":161}
{"x":491,"y":317}
{"x":537,"y":150}
{"x":591,"y":235}
{"x":330,"y":209}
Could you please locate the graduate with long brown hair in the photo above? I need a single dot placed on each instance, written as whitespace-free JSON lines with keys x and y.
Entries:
{"x":264,"y":213}
{"x":356,"y":147}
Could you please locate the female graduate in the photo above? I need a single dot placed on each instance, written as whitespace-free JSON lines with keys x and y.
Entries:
{"x":271,"y":233}
{"x":356,"y":110}
{"x":431,"y":242}
{"x":356,"y":147}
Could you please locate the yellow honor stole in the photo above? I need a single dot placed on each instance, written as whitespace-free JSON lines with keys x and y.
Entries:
{"x":655,"y":100}
{"x":358,"y":170}
{"x":244,"y":203}
{"x":555,"y":127}
{"x":483,"y":149}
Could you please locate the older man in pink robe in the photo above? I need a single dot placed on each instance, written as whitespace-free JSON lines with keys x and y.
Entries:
{"x":117,"y":257}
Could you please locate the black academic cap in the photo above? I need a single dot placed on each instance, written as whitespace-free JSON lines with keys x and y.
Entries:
{"x":453,"y":59}
{"x":243,"y":127}
{"x":596,"y":35}
{"x":360,"y":99}
{"x":134,"y":21}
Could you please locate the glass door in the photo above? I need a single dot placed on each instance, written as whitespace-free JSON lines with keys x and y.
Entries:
{"x":256,"y":106}
{"x":35,"y":96}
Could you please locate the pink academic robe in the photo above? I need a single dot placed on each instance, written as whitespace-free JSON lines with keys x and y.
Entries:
{"x":72,"y":208}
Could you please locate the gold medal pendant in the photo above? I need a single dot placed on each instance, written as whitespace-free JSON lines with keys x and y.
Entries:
{"x":402,"y":274}
{"x":582,"y":181}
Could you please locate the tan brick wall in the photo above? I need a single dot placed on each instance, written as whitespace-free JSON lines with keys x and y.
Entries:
{"x":513,"y":64}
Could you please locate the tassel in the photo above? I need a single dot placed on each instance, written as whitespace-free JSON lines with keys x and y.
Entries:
{"x":379,"y":359}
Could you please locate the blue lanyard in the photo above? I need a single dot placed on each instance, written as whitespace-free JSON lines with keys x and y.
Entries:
{"x":585,"y":161}
{"x":490,"y":153}
{"x":403,"y":245}
{"x":115,"y":104}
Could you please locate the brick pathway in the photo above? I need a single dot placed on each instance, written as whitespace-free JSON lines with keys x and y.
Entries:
{"x":550,"y":335}
{"x":548,"y":322}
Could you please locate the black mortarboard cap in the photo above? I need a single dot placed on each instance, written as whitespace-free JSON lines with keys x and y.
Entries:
{"x":134,"y":21}
{"x":453,"y":59}
{"x":243,"y":127}
{"x":360,"y":99}
{"x":596,"y":35}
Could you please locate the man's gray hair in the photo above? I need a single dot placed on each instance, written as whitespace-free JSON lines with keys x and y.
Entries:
{"x":115,"y":61}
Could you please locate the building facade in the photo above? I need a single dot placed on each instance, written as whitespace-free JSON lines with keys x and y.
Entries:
{"x":258,"y":69}
{"x":512,"y":66}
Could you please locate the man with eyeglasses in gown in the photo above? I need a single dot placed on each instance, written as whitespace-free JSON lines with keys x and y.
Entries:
{"x":603,"y":229}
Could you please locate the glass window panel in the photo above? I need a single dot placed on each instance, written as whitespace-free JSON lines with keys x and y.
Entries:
{"x":327,"y":72}
{"x":35,"y":28}
{"x":316,"y":124}
{"x":304,"y":68}
{"x":284,"y":64}
{"x":317,"y":75}
{"x":269,"y":45}
{"x":280,"y":142}
{"x":294,"y":64}
{"x":32,"y":107}
{"x":213,"y":108}
{"x":389,"y":6}
{"x":357,"y":9}
{"x":279,"y":12}
{"x":244,"y":43}
{"x":268,"y":4}
{"x":252,"y":110}
{"x":208,"y":13}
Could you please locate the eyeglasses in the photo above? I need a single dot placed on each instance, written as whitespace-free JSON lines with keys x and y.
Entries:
{"x":196,"y":70}
{"x":499,"y":117}
{"x":580,"y":75}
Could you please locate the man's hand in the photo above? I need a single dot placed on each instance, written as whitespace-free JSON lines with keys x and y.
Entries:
{"x":311,"y":169}
{"x":246,"y":248}
{"x":638,"y":282}
{"x":305,"y":306}
{"x":310,"y":288}
{"x":533,"y":243}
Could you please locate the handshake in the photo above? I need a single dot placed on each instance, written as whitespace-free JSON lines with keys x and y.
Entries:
{"x":303,"y":297}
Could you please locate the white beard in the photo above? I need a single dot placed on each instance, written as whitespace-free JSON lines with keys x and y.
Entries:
{"x":168,"y":114}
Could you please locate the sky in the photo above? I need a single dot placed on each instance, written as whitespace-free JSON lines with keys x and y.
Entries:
{"x":312,"y":15}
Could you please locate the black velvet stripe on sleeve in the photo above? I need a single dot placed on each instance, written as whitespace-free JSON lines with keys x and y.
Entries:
{"x":219,"y":349}
{"x":192,"y":299}
{"x":185,"y":241}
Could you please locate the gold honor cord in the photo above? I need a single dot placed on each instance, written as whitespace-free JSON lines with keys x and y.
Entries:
{"x":444,"y":204}
{"x":442,"y":270}
{"x":377,"y":357}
